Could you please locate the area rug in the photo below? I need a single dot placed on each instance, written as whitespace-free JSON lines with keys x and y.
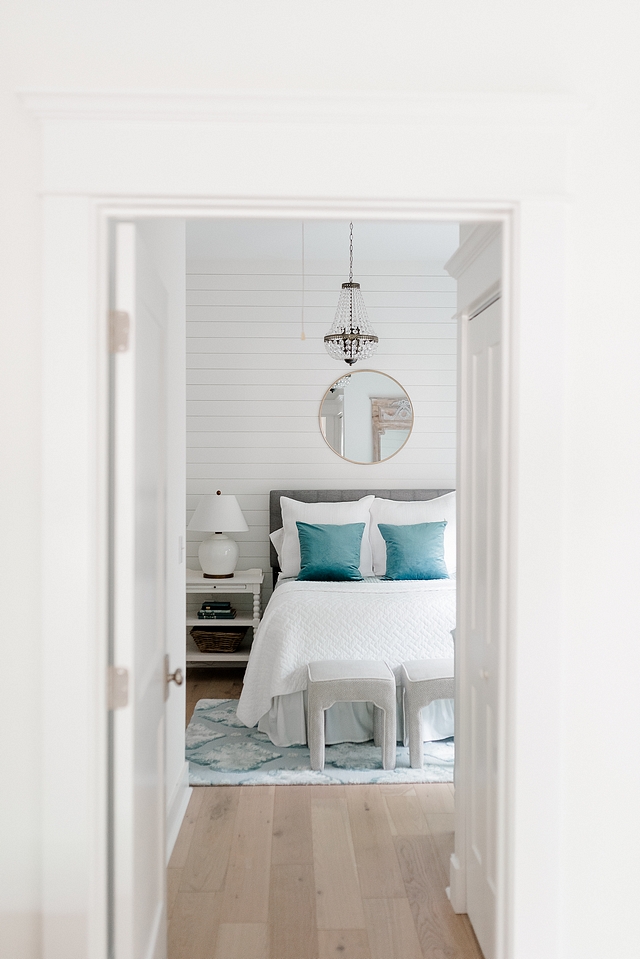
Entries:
{"x":222,"y":751}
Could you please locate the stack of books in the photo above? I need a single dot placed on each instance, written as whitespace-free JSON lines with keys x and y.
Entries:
{"x":216,"y":610}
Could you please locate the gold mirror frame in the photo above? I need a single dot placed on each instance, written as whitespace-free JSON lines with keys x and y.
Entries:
{"x":387,"y":413}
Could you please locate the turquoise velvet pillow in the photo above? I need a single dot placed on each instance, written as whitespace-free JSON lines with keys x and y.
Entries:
{"x":415,"y":552}
{"x":330,"y":553}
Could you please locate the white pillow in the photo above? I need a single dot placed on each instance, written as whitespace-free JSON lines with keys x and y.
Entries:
{"x":338,"y":514}
{"x":400,"y":513}
{"x":277,"y":538}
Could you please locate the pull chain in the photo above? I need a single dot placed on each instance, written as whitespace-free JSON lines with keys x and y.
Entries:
{"x":302,"y":333}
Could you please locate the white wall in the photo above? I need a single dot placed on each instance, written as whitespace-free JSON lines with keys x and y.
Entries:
{"x":548,"y":46}
{"x":254,"y":387}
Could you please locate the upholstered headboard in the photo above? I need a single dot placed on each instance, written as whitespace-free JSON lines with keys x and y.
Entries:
{"x":337,"y":496}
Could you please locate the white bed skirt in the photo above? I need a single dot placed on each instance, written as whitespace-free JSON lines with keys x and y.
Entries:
{"x":285,"y":723}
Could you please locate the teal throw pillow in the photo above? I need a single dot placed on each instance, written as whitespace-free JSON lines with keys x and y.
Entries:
{"x":415,"y":552}
{"x":330,"y":553}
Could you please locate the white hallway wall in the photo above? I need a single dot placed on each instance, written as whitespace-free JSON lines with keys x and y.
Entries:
{"x":588,"y":49}
{"x":254,"y":387}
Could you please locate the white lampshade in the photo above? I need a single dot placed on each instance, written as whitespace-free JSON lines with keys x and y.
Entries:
{"x":219,"y":514}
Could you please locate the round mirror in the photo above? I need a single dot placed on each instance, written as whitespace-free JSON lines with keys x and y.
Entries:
{"x":366,"y":416}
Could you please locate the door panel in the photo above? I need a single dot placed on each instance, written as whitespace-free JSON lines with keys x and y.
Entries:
{"x":482,"y":481}
{"x":138,"y":578}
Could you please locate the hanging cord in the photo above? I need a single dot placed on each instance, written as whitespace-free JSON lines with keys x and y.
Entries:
{"x":302,"y":333}
{"x":351,"y":253}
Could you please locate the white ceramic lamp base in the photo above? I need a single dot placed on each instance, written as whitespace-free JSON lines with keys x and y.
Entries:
{"x":218,"y":556}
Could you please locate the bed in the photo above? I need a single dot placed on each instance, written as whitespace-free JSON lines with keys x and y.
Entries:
{"x":372,"y":619}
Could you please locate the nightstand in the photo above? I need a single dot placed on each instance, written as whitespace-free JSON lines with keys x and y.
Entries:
{"x":243,"y":582}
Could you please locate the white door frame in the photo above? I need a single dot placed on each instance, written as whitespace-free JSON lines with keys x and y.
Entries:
{"x":76,"y":208}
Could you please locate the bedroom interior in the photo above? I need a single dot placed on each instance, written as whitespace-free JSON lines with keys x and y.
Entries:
{"x":266,"y":405}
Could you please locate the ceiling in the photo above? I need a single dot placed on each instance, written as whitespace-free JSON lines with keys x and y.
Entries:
{"x":324,"y":240}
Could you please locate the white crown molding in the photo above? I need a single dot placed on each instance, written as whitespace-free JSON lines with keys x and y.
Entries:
{"x":306,"y":107}
{"x":477,"y":241}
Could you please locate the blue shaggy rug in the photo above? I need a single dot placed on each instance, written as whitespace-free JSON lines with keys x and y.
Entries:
{"x":222,"y":751}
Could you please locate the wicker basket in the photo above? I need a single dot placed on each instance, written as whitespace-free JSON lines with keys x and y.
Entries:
{"x":218,"y":640}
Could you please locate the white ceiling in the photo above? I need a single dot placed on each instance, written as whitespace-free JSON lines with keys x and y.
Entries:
{"x":324,"y":240}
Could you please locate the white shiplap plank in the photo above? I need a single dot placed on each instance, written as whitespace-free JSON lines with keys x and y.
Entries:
{"x":300,"y":394}
{"x":217,"y":345}
{"x":310,"y":358}
{"x":207,"y":462}
{"x":258,"y":299}
{"x":267,"y":409}
{"x":296,"y":377}
{"x":316,"y":314}
{"x":228,"y":442}
{"x":315,"y":282}
{"x":337,"y":268}
{"x":399,"y":327}
{"x":296,"y":424}
{"x":349,"y":477}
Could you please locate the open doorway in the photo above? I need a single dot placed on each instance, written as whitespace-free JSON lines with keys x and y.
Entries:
{"x":479,"y":306}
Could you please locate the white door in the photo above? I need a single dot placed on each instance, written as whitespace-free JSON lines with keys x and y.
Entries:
{"x":138,"y":926}
{"x":481,"y":620}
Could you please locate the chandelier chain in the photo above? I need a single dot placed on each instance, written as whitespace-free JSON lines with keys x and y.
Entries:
{"x":351,"y":253}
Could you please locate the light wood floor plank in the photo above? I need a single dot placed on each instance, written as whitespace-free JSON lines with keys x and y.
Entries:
{"x":343,"y":944}
{"x":441,"y":827}
{"x":440,"y":931}
{"x":292,"y":843}
{"x":248,"y":940}
{"x":174,"y":877}
{"x":435,"y":797}
{"x":208,"y":857}
{"x":406,"y":815}
{"x":194,"y":925}
{"x":396,"y":789}
{"x":338,"y":900}
{"x":292,"y":913}
{"x":246,"y":892}
{"x":392,"y":934}
{"x":327,"y":792}
{"x":183,"y":842}
{"x":378,"y":870}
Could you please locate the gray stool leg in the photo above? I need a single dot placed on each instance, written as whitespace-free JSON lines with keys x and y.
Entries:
{"x":315,"y":721}
{"x":377,"y":726}
{"x":416,"y":747}
{"x":385,"y":713}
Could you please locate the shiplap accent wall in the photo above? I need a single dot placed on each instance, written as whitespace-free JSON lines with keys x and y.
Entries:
{"x":254,"y":387}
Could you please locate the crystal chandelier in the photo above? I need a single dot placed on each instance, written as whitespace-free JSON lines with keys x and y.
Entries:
{"x":351,"y":337}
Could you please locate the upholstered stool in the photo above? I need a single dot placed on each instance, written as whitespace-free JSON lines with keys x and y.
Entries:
{"x":423,"y":680}
{"x":351,"y":681}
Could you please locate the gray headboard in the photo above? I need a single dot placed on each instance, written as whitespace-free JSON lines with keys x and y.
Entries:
{"x":337,"y":496}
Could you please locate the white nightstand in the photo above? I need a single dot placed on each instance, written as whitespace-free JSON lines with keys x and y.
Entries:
{"x":243,"y":581}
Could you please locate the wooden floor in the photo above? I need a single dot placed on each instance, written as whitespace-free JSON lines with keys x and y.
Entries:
{"x":312,"y":872}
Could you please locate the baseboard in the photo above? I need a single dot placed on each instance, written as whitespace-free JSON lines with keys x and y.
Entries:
{"x":176,"y":808}
{"x":457,"y":890}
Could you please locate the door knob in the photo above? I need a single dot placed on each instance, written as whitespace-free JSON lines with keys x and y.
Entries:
{"x":484,"y":674}
{"x":176,"y":677}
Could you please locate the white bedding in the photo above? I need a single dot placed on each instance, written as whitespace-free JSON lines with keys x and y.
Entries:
{"x":306,"y":621}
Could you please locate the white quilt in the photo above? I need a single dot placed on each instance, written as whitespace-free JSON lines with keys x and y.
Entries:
{"x":307,"y":621}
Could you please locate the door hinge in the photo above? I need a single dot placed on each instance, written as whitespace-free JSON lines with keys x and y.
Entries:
{"x":118,"y":331}
{"x":117,"y":687}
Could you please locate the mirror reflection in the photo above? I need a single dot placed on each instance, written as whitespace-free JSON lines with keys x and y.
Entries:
{"x":366,"y":416}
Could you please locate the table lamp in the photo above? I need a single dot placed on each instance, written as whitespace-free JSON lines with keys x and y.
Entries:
{"x":218,"y":554}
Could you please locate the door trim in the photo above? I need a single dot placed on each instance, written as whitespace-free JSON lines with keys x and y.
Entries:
{"x":81,"y":191}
